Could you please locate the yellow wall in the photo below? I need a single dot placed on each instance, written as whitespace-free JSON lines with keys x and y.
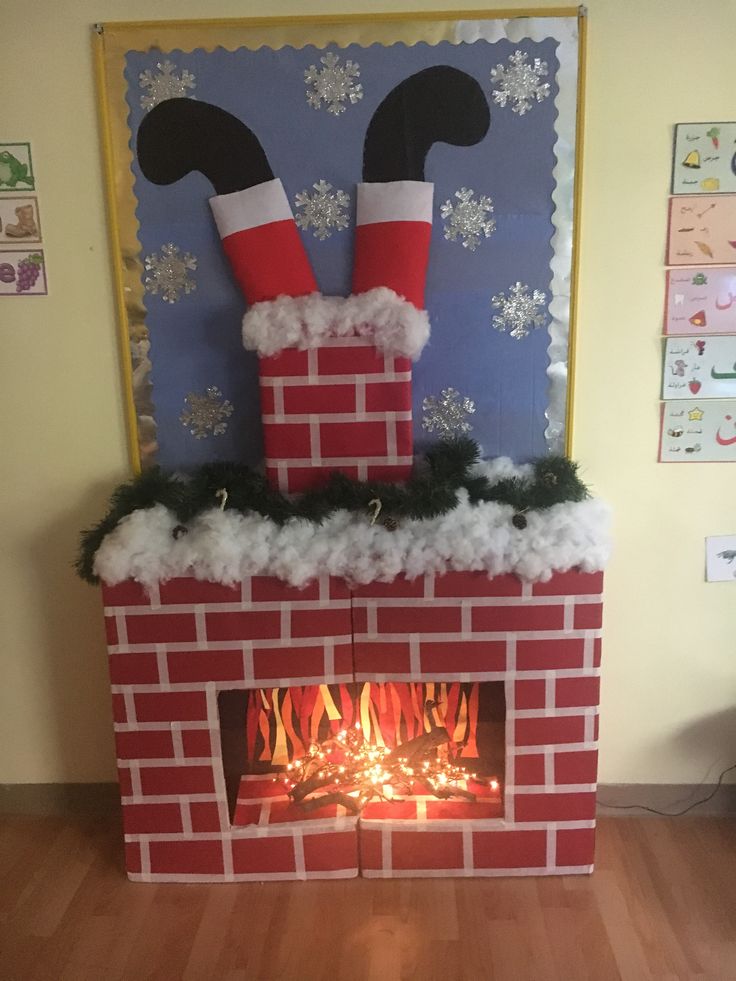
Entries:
{"x":668,"y":680}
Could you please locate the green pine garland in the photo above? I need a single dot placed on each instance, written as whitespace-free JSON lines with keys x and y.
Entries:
{"x":430,"y":492}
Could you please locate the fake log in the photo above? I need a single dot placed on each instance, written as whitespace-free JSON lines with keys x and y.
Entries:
{"x":356,"y":772}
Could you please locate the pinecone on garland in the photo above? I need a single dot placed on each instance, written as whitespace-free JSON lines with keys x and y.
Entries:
{"x":390,"y":523}
{"x":519,"y":521}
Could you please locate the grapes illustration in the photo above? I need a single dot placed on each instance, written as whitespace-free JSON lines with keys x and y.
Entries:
{"x":29,"y":269}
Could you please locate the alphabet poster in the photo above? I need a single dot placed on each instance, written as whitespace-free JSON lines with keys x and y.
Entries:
{"x":700,"y":367}
{"x":701,"y":301}
{"x":702,"y":230}
{"x":698,"y":432}
{"x":704,"y":159}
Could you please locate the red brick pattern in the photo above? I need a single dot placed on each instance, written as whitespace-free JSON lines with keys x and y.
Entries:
{"x":345,"y":406}
{"x":170,"y":654}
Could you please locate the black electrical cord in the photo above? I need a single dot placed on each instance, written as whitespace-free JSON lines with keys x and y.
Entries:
{"x":653,"y":810}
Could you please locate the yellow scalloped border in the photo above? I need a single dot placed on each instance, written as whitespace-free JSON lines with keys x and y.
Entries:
{"x":112,"y":40}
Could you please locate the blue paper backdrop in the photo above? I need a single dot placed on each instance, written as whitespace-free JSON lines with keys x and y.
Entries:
{"x":196,"y":343}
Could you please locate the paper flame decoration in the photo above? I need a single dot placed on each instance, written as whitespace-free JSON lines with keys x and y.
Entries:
{"x":281,"y":723}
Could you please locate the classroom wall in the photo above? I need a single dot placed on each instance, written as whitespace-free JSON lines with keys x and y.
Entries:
{"x":668,"y":671}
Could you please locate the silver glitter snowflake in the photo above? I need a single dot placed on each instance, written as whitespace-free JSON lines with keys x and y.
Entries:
{"x":169,"y":273}
{"x":519,"y":310}
{"x":445,"y":414}
{"x":519,"y":82}
{"x":333,"y":85}
{"x":165,"y":84}
{"x":467,"y":220}
{"x":323,"y":211}
{"x":206,"y":413}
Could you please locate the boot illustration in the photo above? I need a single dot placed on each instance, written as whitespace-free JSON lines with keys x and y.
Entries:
{"x":26,"y":226}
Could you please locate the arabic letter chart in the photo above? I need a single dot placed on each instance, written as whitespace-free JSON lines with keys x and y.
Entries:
{"x":698,"y":413}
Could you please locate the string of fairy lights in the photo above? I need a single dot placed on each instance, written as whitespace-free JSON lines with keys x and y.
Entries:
{"x":347,"y":769}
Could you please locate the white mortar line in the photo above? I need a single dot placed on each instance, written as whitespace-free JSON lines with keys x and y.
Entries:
{"x":468,"y":862}
{"x":186,"y":817}
{"x":415,"y":658}
{"x":314,"y":437}
{"x":329,"y":658}
{"x":122,"y":629}
{"x":145,"y":860}
{"x":338,"y":417}
{"x":549,"y":768}
{"x":466,"y":615}
{"x":178,"y":742}
{"x":536,"y":750}
{"x":372,"y":618}
{"x":549,"y":689}
{"x":200,"y":623}
{"x":360,"y":383}
{"x":588,"y":650}
{"x":551,"y":846}
{"x":299,"y":864}
{"x":313,"y":377}
{"x":590,"y":717}
{"x":163,"y":666}
{"x":292,"y":381}
{"x":135,"y":780}
{"x":285,"y":623}
{"x":569,"y":621}
{"x":391,"y":417}
{"x":127,"y":692}
{"x":386,"y":850}
{"x":248,"y":666}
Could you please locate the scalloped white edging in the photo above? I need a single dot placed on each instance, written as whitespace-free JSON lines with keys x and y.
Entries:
{"x":393,"y":324}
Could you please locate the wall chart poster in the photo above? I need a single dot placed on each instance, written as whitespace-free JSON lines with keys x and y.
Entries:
{"x":328,"y":105}
{"x":699,"y":367}
{"x":19,"y":220}
{"x":23,"y":273}
{"x":16,"y":168}
{"x":702,"y":230}
{"x":704,"y":159}
{"x":701,"y":301}
{"x":698,"y":432}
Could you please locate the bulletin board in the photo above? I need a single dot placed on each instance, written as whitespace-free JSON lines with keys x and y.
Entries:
{"x":501,"y":279}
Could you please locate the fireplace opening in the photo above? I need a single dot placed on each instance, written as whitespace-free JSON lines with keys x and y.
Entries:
{"x":267,"y":733}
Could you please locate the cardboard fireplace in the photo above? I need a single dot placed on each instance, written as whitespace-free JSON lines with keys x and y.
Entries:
{"x":353,"y":662}
{"x":176,"y":652}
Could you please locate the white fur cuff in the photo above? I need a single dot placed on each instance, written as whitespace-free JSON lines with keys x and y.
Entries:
{"x":390,"y":322}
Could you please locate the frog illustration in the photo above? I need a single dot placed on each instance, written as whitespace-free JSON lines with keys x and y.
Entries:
{"x":13,"y":171}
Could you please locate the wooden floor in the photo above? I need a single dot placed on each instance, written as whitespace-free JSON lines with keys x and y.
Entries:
{"x":662,"y":904}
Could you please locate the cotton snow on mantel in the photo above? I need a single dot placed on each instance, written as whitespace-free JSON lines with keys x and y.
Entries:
{"x":227,"y":546}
